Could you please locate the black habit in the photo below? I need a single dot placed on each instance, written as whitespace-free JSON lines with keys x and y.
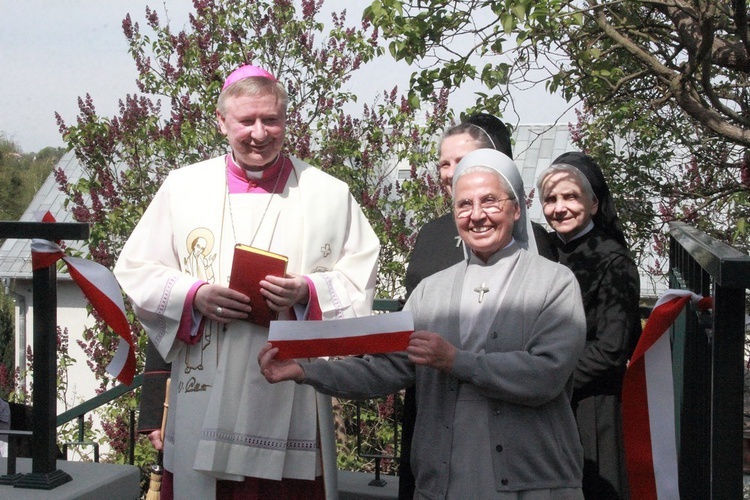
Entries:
{"x":155,"y":375}
{"x":610,"y":287}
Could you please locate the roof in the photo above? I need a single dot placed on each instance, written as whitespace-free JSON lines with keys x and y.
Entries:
{"x":15,"y":254}
{"x":534,"y":148}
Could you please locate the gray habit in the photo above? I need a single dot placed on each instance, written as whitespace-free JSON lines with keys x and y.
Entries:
{"x":499,"y":425}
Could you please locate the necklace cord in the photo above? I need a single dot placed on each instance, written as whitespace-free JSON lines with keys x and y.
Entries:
{"x":270,"y":199}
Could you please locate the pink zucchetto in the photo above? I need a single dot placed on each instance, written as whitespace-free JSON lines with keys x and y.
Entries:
{"x":246,"y":72}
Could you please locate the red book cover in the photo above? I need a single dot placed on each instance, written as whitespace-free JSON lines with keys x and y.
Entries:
{"x":249,"y":266}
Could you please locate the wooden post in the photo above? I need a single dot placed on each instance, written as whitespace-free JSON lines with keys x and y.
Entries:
{"x":44,"y":473}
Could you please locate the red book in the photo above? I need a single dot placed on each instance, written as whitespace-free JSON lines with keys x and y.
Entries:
{"x":249,"y":266}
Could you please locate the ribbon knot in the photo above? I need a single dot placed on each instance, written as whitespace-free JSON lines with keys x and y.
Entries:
{"x":100,"y":287}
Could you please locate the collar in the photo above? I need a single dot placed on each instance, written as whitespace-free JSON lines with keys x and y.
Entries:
{"x":240,"y":180}
{"x":495,"y":257}
{"x":583,"y":233}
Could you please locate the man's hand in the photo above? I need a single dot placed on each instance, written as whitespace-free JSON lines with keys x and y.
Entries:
{"x":430,"y":349}
{"x":221,"y":304}
{"x":283,"y":293}
{"x":276,"y":370}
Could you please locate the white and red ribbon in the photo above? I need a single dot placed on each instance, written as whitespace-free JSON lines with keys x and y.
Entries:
{"x":648,"y":403}
{"x":100,"y":287}
{"x":379,"y":333}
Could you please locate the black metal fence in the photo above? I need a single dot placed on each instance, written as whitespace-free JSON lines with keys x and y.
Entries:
{"x":709,"y":364}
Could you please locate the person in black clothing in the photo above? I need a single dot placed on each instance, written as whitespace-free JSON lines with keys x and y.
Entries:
{"x":589,"y":240}
{"x":438,"y":245}
{"x":151,"y":407}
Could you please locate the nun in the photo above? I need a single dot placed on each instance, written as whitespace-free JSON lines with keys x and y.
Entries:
{"x":588,"y":235}
{"x":497,"y":337}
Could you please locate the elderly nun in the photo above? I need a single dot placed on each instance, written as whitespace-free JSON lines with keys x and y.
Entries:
{"x":588,"y":235}
{"x":496,"y":341}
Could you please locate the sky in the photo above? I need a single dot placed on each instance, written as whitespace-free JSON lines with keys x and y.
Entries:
{"x":53,"y":52}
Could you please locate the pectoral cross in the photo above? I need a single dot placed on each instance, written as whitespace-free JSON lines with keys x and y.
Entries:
{"x":481,"y":290}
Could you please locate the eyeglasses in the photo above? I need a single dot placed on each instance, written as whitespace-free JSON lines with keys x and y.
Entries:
{"x":489,"y":205}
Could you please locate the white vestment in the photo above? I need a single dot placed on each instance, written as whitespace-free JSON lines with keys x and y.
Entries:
{"x":225,"y":421}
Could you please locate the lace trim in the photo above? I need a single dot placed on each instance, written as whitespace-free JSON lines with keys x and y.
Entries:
{"x":334,"y":297}
{"x":161,"y":331}
{"x":259,"y":442}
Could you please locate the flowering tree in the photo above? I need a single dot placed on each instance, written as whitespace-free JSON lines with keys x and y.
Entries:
{"x":662,"y":84}
{"x":171,"y":123}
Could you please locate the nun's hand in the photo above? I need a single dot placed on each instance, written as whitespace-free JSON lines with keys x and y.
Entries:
{"x":278,"y":370}
{"x":430,"y":349}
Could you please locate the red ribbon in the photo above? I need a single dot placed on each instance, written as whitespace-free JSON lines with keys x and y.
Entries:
{"x":648,"y":403}
{"x":101,"y":289}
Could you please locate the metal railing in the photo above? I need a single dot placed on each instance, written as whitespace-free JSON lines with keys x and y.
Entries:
{"x":79,"y":412}
{"x":708,"y":352}
{"x":381,"y":305}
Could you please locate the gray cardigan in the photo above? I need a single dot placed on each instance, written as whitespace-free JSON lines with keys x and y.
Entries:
{"x":526,"y":372}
